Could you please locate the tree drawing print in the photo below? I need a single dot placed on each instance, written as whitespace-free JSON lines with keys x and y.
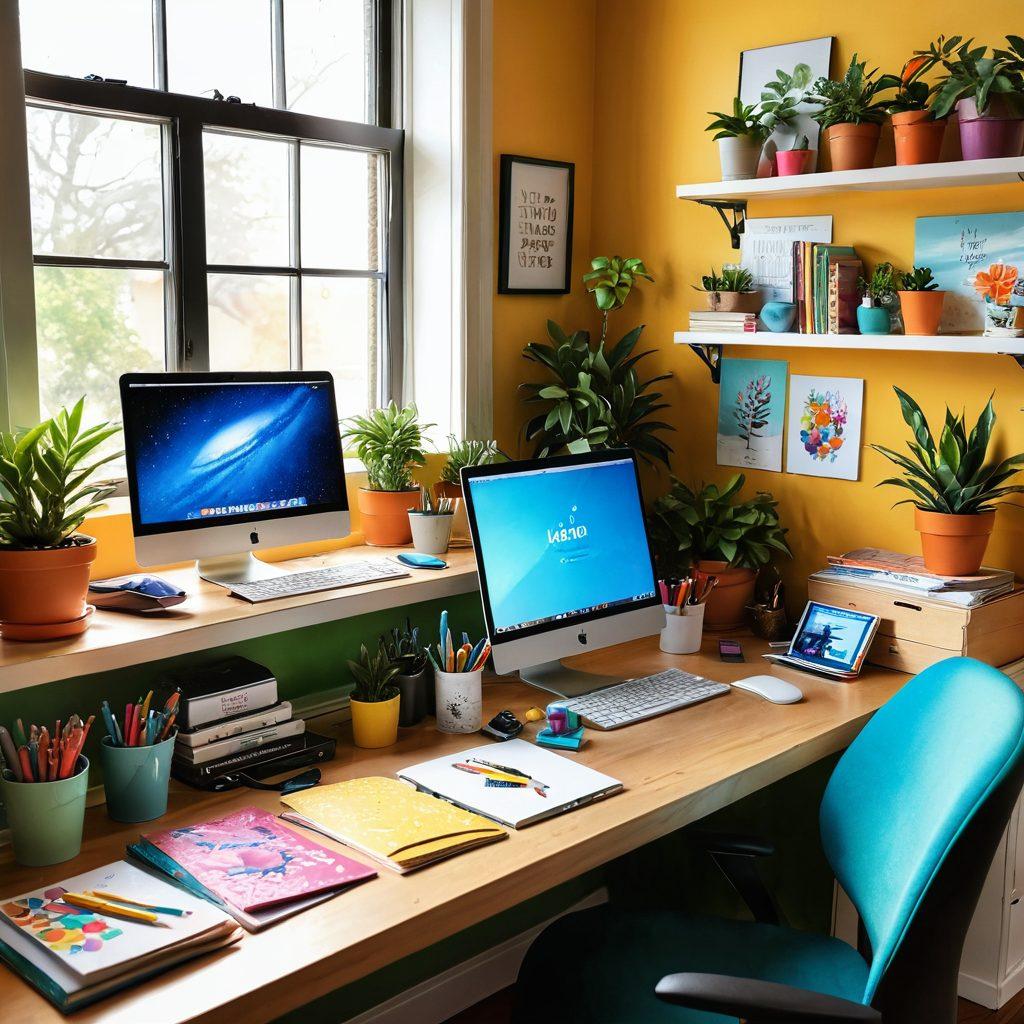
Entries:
{"x":753,"y":408}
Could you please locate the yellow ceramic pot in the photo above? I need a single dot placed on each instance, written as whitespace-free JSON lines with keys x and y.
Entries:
{"x":376,"y":724}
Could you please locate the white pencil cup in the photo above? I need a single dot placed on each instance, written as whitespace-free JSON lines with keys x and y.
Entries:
{"x":430,"y":533}
{"x":459,"y":698}
{"x":682,"y":633}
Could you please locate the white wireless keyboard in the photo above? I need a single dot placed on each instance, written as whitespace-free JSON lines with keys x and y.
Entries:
{"x":637,"y":699}
{"x":349,"y":574}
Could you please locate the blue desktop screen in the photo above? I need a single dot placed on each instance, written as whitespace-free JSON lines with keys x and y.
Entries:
{"x":832,"y":637}
{"x":561,"y":542}
{"x":206,"y":451}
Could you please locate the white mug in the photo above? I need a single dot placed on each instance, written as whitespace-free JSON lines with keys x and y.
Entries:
{"x":459,"y":698}
{"x":682,"y":633}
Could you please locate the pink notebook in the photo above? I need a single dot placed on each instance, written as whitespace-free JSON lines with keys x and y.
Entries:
{"x":252,"y":860}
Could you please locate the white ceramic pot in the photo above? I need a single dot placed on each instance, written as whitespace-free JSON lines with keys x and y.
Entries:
{"x":459,"y":697}
{"x":683,"y":633}
{"x":430,"y":533}
{"x":739,"y":157}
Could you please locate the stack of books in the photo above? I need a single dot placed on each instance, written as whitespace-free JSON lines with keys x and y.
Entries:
{"x":825,"y":288}
{"x":722,"y":323}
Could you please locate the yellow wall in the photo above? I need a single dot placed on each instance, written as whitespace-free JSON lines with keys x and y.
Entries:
{"x":659,"y":66}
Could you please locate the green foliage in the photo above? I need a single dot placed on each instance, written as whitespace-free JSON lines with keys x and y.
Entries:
{"x":403,"y":649}
{"x":969,"y":73}
{"x":744,"y":122}
{"x":953,"y":475}
{"x":373,"y":675}
{"x":918,"y":280}
{"x":612,"y":278}
{"x":851,"y":100}
{"x":781,"y":96}
{"x":731,"y":279}
{"x":883,"y":283}
{"x":712,"y":524}
{"x":45,"y":492}
{"x":462,"y":454}
{"x":390,"y":443}
{"x":800,"y":143}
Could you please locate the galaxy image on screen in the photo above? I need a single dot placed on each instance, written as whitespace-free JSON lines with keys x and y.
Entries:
{"x":206,"y":451}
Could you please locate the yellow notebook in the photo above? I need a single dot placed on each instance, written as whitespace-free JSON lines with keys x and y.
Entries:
{"x":390,"y":821}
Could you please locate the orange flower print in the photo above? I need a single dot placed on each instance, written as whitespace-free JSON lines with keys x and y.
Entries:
{"x":996,"y":284}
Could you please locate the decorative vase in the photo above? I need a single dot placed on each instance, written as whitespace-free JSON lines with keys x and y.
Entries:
{"x":683,"y":633}
{"x":42,"y":592}
{"x":45,"y":818}
{"x":778,"y":316}
{"x":136,"y":779}
{"x":999,"y":132}
{"x":769,"y":624}
{"x":725,"y":605}
{"x":384,"y":516}
{"x":460,"y":524}
{"x":733,"y":302}
{"x":873,"y":319}
{"x":918,"y":137}
{"x":375,"y":724}
{"x":852,"y":147}
{"x":922,"y":311}
{"x":739,"y":157}
{"x":793,"y":161}
{"x":412,"y":693}
{"x":953,"y":545}
{"x":459,"y":697}
{"x":430,"y":533}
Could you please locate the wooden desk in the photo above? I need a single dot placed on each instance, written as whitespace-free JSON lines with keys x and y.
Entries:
{"x":676,"y":769}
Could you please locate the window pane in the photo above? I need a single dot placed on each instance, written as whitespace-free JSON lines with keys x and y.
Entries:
{"x":326,"y":43}
{"x":220,"y":44}
{"x":339,"y":208}
{"x":112,"y":38}
{"x":246,"y":200}
{"x":339,"y":333}
{"x":96,"y":186}
{"x":248,"y":322}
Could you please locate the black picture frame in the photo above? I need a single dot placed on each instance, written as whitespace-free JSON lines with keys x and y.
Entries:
{"x":508,"y":162}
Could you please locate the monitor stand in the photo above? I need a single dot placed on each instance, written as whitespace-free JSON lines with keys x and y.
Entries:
{"x":554,"y":677}
{"x":230,"y":570}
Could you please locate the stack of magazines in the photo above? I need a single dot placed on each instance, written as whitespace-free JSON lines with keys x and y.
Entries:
{"x":876,"y":569}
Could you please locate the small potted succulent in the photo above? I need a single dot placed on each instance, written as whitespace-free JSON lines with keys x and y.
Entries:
{"x":390,"y":443}
{"x":878,"y":297}
{"x":740,"y":137}
{"x":955,"y":489}
{"x":46,"y":491}
{"x":413,"y":677}
{"x":375,"y":699}
{"x":917,"y":132}
{"x":921,"y":301}
{"x":462,"y":455}
{"x":796,"y":160}
{"x":731,"y":291}
{"x":850,"y":113}
{"x":713,"y":533}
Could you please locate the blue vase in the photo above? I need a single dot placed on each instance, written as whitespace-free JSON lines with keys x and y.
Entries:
{"x":778,"y":316}
{"x":873,"y":319}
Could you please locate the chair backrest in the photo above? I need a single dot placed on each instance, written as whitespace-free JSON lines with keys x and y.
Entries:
{"x":900,"y":804}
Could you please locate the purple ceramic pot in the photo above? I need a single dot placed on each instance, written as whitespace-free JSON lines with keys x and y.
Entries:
{"x":996,"y":133}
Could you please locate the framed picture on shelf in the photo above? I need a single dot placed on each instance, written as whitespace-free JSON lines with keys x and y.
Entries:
{"x":535,"y":226}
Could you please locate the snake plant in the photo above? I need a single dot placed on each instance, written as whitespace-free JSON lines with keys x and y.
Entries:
{"x":373,"y":675}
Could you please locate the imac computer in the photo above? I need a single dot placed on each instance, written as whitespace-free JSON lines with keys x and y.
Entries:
{"x":223,"y":464}
{"x":564,"y":562}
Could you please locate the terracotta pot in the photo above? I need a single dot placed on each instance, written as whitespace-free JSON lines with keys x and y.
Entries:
{"x":375,"y":725}
{"x":852,"y":147}
{"x":922,"y":311}
{"x":953,"y":545}
{"x":385,"y":516}
{"x":46,"y":587}
{"x":460,"y":524}
{"x":918,"y":137}
{"x":998,"y":132}
{"x":734,"y":302}
{"x":725,"y":606}
{"x":793,"y":161}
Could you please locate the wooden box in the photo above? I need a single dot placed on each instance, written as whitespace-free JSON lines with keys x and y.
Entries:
{"x":915,"y":632}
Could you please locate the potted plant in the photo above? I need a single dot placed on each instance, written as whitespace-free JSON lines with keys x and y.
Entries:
{"x":715,"y":534}
{"x":954,"y":488}
{"x":406,"y":653}
{"x":796,"y":160}
{"x":851,"y":115}
{"x":390,"y":443}
{"x":879,"y":295}
{"x":375,"y":699}
{"x":917,"y":132}
{"x":780,"y":98}
{"x":46,"y":491}
{"x":731,"y":291}
{"x":740,"y":136}
{"x":920,"y":301}
{"x":988,"y":94}
{"x":462,"y":455}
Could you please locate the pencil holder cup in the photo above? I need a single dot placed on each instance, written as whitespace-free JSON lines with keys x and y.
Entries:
{"x":459,"y":697}
{"x":682,"y":633}
{"x":136,"y":779}
{"x":430,"y":533}
{"x":45,"y":817}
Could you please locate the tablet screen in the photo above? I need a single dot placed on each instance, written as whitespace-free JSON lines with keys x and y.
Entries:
{"x":834,"y":638}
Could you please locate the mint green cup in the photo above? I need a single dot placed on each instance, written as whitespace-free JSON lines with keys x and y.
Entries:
{"x":135,"y":779}
{"x":45,"y":817}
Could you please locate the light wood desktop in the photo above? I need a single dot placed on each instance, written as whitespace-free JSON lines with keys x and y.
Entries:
{"x":676,"y":769}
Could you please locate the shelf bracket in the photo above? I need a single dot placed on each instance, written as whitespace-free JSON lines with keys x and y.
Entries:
{"x":711,"y":357}
{"x":1017,"y":358}
{"x":737,"y":208}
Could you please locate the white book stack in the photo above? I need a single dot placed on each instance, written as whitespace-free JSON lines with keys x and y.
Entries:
{"x":718,"y":323}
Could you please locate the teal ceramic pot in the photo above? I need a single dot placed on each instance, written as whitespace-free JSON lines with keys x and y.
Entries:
{"x":778,"y":316}
{"x":135,"y":779}
{"x":873,"y":319}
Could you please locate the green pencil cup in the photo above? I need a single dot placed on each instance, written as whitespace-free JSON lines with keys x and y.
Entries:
{"x":135,"y":779}
{"x":45,"y":817}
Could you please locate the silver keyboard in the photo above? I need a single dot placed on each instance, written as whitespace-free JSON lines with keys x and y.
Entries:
{"x":348,"y":574}
{"x":637,"y":699}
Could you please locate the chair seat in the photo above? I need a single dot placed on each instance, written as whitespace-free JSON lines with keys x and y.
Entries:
{"x":600,"y":966}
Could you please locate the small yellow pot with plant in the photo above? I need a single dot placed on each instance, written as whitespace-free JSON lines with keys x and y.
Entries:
{"x":375,"y":699}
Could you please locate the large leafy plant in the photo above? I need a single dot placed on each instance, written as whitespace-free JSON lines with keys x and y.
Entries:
{"x":953,"y":475}
{"x":970,"y":74}
{"x":853,"y":99}
{"x":462,"y":454}
{"x":45,"y":474}
{"x":711,"y":523}
{"x":390,"y":444}
{"x":373,"y":675}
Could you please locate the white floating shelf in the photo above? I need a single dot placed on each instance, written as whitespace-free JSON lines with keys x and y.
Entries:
{"x":970,"y":343}
{"x":954,"y":174}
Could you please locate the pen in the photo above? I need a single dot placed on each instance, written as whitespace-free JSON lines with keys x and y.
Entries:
{"x":10,"y":752}
{"x":104,"y":906}
{"x":102,"y":894}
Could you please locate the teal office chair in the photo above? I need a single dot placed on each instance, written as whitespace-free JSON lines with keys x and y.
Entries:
{"x":910,"y":822}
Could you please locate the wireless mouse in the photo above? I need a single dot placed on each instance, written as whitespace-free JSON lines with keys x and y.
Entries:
{"x":778,"y":691}
{"x":418,"y":561}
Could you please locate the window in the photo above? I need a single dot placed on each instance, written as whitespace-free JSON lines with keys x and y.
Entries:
{"x":175,"y":227}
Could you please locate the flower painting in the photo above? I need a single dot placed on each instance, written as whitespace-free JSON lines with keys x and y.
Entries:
{"x":825,"y":426}
{"x":751,"y":413}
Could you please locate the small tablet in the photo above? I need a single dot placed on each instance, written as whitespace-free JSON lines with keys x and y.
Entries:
{"x":832,"y":641}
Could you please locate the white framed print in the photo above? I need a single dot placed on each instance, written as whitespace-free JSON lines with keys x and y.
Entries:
{"x":825,"y":422}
